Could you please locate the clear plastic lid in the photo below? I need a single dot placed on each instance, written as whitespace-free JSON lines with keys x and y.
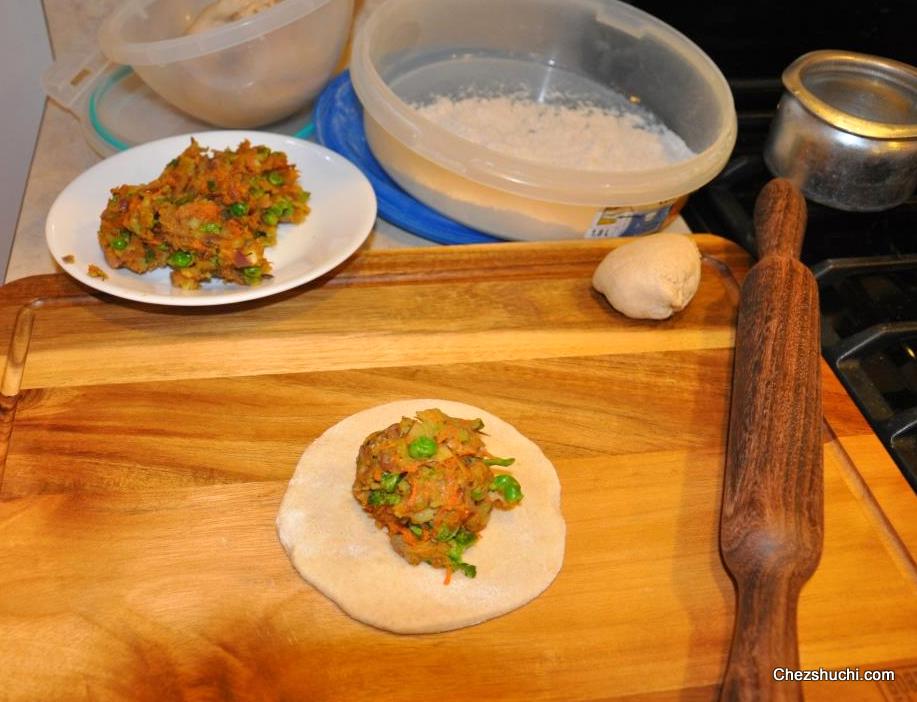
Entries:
{"x":117,"y":110}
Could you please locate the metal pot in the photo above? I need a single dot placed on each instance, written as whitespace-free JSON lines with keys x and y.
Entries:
{"x":846,"y":130}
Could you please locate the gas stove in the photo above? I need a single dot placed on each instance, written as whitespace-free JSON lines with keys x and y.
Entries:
{"x":866,"y":267}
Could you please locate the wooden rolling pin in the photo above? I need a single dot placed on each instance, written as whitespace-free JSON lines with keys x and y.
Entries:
{"x":772,"y":515}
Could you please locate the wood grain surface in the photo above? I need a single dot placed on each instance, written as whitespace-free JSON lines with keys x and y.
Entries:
{"x":772,"y":516}
{"x":148,"y":449}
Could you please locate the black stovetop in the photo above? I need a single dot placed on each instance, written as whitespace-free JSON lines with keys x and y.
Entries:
{"x":757,"y":39}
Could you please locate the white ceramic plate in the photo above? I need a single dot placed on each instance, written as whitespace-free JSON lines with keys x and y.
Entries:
{"x":342,"y":202}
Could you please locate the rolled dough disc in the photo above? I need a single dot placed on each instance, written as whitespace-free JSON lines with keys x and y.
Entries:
{"x":339,"y":550}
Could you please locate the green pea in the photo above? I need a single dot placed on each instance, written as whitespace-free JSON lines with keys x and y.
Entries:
{"x":181,"y":259}
{"x":211,"y":228}
{"x":238,"y":209}
{"x":120,"y":242}
{"x":496,"y":461}
{"x":508,"y":486}
{"x":416,"y":530}
{"x":283,"y":208}
{"x":390,"y":481}
{"x":252,"y":274}
{"x":263,"y":152}
{"x":375,"y":497}
{"x":422,"y":447}
{"x":274,"y":178}
{"x":270,"y":218}
{"x":255,"y":191}
{"x":478,"y":494}
{"x":512,"y":494}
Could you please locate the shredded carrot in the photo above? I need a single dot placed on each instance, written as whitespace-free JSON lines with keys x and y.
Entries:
{"x":407,"y":535}
{"x":454,"y":498}
{"x":412,"y":466}
{"x":448,"y":577}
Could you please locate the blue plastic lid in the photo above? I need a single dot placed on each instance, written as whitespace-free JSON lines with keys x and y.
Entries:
{"x":339,"y":126}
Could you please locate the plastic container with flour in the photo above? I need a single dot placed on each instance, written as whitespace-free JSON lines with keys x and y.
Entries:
{"x":578,"y":70}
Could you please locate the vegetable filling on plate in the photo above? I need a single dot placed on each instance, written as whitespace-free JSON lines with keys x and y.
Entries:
{"x":429,"y":481}
{"x":209,"y":214}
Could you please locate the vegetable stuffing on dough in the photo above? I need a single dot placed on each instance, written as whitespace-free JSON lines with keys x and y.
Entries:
{"x":429,"y":482}
{"x":651,"y":277}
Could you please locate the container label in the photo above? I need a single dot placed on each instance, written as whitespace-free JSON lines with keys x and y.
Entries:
{"x":622,"y":221}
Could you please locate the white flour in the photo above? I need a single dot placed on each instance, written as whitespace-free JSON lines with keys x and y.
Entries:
{"x":582,"y":137}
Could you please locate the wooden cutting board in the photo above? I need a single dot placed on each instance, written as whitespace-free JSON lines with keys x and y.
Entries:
{"x":147,"y":450}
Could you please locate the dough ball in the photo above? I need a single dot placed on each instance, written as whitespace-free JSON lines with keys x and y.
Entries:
{"x":650,"y":277}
